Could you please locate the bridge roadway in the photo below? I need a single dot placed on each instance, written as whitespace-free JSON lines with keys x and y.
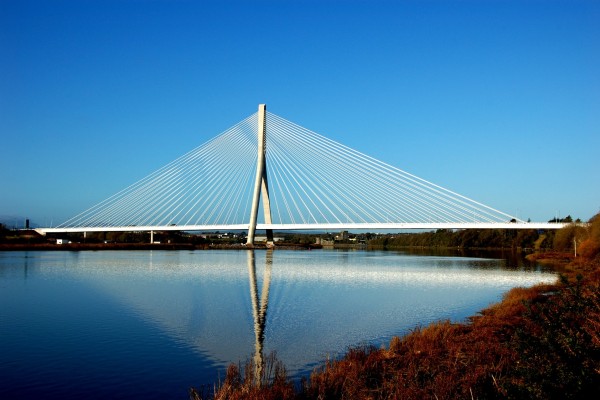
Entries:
{"x":314,"y":227}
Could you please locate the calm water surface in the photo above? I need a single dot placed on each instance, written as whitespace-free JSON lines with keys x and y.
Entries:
{"x":137,"y":324}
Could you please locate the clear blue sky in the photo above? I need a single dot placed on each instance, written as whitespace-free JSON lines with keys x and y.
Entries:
{"x":496,"y":100}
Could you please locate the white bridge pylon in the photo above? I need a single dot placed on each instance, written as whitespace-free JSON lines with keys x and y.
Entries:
{"x":314,"y":183}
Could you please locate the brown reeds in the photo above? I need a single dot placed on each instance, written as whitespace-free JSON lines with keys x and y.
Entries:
{"x":267,"y":381}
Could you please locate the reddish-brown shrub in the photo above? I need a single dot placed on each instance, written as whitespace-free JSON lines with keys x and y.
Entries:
{"x":589,"y":249}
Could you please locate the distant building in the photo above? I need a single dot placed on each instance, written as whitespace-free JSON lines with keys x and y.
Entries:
{"x":342,"y":236}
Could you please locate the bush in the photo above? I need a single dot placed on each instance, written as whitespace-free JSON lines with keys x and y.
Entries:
{"x":558,"y":345}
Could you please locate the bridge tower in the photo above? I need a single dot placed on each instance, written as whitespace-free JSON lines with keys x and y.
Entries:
{"x":261,"y":183}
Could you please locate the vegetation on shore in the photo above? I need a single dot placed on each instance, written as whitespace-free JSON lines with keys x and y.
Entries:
{"x":525,"y":239}
{"x":539,"y":343}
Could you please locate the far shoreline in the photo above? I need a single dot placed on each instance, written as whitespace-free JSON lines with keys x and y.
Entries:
{"x":143,"y":246}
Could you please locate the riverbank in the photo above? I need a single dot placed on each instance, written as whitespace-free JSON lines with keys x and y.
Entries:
{"x":143,"y":246}
{"x":552,"y":257}
{"x":541,"y":342}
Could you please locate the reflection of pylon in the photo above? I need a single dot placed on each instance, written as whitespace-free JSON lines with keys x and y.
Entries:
{"x":259,"y":310}
{"x":261,"y":182}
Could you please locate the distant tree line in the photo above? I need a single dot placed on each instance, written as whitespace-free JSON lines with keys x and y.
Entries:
{"x":18,"y":236}
{"x":467,"y":238}
{"x":560,"y":240}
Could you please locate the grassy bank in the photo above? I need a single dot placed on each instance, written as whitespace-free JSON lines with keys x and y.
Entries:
{"x":538,"y":343}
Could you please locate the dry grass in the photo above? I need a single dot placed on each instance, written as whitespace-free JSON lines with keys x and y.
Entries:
{"x":269,"y":382}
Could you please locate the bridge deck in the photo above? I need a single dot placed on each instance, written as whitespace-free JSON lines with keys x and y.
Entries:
{"x":311,"y":227}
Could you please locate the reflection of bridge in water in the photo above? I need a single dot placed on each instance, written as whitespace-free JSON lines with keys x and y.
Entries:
{"x":218,"y":302}
{"x":281,"y":176}
{"x":259,"y":311}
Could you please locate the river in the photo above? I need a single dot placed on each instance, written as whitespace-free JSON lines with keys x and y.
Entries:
{"x":150,"y":324}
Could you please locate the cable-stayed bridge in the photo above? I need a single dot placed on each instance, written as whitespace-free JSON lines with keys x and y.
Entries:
{"x":268,"y":173}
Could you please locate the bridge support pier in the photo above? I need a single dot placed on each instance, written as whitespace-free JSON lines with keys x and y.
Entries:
{"x":261,"y":183}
